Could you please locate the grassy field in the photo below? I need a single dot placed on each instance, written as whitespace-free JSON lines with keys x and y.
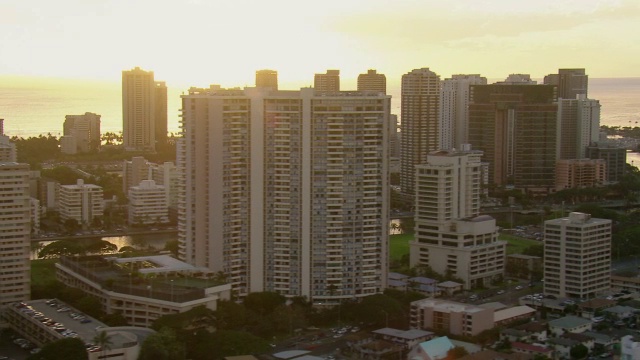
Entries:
{"x":399,"y":244}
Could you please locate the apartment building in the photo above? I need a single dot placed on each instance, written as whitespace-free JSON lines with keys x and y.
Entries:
{"x":148,"y":204}
{"x":451,"y":317}
{"x":580,"y":173}
{"x":81,"y":202}
{"x":577,"y":256}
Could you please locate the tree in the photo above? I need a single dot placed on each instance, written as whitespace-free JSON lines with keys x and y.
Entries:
{"x":579,"y":352}
{"x":101,"y":247}
{"x":263,"y":303}
{"x":457,"y":352}
{"x":71,"y":226}
{"x":60,"y":248}
{"x":68,"y":348}
{"x":163,"y":345}
{"x":103,"y":339}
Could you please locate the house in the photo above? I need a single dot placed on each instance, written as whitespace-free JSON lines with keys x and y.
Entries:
{"x":494,"y":355}
{"x":620,"y":312}
{"x":601,"y":341}
{"x":450,"y":287}
{"x":435,"y":349}
{"x":531,"y":350}
{"x":586,"y":340}
{"x":424,"y":285}
{"x":537,"y":331}
{"x":569,"y":324}
{"x":562,"y":347}
{"x":406,"y":338}
{"x":589,"y":308}
{"x":514,"y":335}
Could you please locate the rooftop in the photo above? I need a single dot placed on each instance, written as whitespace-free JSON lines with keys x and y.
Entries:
{"x":403,"y":334}
{"x":569,"y":322}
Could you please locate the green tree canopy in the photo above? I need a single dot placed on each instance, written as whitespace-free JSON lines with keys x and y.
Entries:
{"x":263,"y":303}
{"x":579,"y":352}
{"x":163,"y":345}
{"x":68,"y":348}
{"x":60,"y":248}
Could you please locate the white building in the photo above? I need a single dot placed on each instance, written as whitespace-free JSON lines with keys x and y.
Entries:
{"x":82,"y":202}
{"x":578,"y":126}
{"x":166,"y":174}
{"x":148,"y":203}
{"x":159,"y":285}
{"x":134,"y":171}
{"x":35,"y":215}
{"x":286,"y":191}
{"x":450,"y":235}
{"x":630,"y":348}
{"x":454,"y":110}
{"x":84,"y":130}
{"x":577,"y":256}
{"x":15,"y":222}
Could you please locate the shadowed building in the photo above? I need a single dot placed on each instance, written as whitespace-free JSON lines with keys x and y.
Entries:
{"x":372,"y":81}
{"x":328,"y":82}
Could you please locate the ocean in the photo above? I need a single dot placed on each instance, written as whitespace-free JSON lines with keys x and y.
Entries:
{"x":33,"y":106}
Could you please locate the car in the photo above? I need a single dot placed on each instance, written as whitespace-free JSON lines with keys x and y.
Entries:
{"x":85,"y":321}
{"x":500,"y":292}
{"x":597,"y":319}
{"x":519,"y":287}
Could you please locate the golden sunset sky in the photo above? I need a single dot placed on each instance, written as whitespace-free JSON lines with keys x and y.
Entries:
{"x":199,"y":42}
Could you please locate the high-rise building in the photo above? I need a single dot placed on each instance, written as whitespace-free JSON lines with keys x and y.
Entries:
{"x":570,"y":83}
{"x":160,"y":114}
{"x":451,"y":237}
{"x":15,"y":244}
{"x":134,"y":171}
{"x":577,"y":256}
{"x":454,"y":113}
{"x":516,"y":126}
{"x":329,"y":82}
{"x":142,"y":98}
{"x":8,"y":150}
{"x":578,"y":126}
{"x":615,"y":157}
{"x":420,"y":103}
{"x":286,"y":191}
{"x":81,"y":202}
{"x":84,"y":129}
{"x":267,"y":78}
{"x":372,"y":81}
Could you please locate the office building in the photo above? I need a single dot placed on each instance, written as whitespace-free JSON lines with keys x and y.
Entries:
{"x":571,"y":83}
{"x":329,"y":82}
{"x":450,"y":235}
{"x":81,"y":202}
{"x":614,"y":156}
{"x":577,"y":256}
{"x":293,"y":196}
{"x":372,"y":81}
{"x":580,"y":173}
{"x":515,"y":126}
{"x":143,"y":103}
{"x":15,"y":244}
{"x":267,"y":78}
{"x":160,"y":117}
{"x":451,"y":317}
{"x":84,"y":130}
{"x":148,"y":204}
{"x":420,"y":103}
{"x":578,"y":126}
{"x":454,"y":113}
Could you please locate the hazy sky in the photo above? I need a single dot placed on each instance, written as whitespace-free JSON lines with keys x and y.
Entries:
{"x":198,"y":42}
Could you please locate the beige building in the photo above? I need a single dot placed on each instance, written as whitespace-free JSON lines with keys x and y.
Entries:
{"x":450,"y":235}
{"x":15,"y":221}
{"x":83,"y":131}
{"x":580,"y":173}
{"x":286,"y":191}
{"x":420,"y":126}
{"x":134,"y":171}
{"x":372,"y":81}
{"x":140,"y":93}
{"x":159,"y":285}
{"x":267,"y":78}
{"x":577,"y":256}
{"x":454,"y":110}
{"x":329,"y":82}
{"x":82,"y":202}
{"x":148,"y":204}
{"x":454,"y":318}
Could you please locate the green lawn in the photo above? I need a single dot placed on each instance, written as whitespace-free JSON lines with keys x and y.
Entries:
{"x":399,"y":244}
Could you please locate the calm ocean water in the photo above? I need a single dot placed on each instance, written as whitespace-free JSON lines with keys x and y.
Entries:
{"x":38,"y":106}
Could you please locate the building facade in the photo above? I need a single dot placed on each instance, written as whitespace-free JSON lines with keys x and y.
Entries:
{"x":292,"y":198}
{"x":580,"y":173}
{"x":614,"y":156}
{"x":329,"y":82}
{"x":578,"y":126}
{"x":451,"y":317}
{"x":141,"y":100}
{"x":134,"y":171}
{"x":454,"y":110}
{"x":15,"y":242}
{"x":160,"y":113}
{"x":571,"y":83}
{"x":81,"y":202}
{"x":267,"y":78}
{"x":515,"y":126}
{"x":148,"y":204}
{"x":372,"y":81}
{"x":84,"y":130}
{"x":450,"y":236}
{"x":577,"y":256}
{"x":420,"y":103}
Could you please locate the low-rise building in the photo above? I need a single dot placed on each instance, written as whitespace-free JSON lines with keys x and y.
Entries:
{"x":630,"y":348}
{"x":143,"y":288}
{"x":573,"y":324}
{"x":435,"y":349}
{"x":580,"y":173}
{"x":532,"y":350}
{"x":81,"y":202}
{"x":455,"y":318}
{"x":148,"y":204}
{"x":43,"y":321}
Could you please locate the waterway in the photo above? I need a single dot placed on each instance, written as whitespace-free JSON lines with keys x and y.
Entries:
{"x":154,"y":241}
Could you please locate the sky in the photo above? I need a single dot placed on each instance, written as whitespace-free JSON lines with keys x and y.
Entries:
{"x":202,"y":42}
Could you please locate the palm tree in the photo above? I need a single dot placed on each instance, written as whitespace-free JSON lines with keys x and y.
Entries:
{"x":103,"y":340}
